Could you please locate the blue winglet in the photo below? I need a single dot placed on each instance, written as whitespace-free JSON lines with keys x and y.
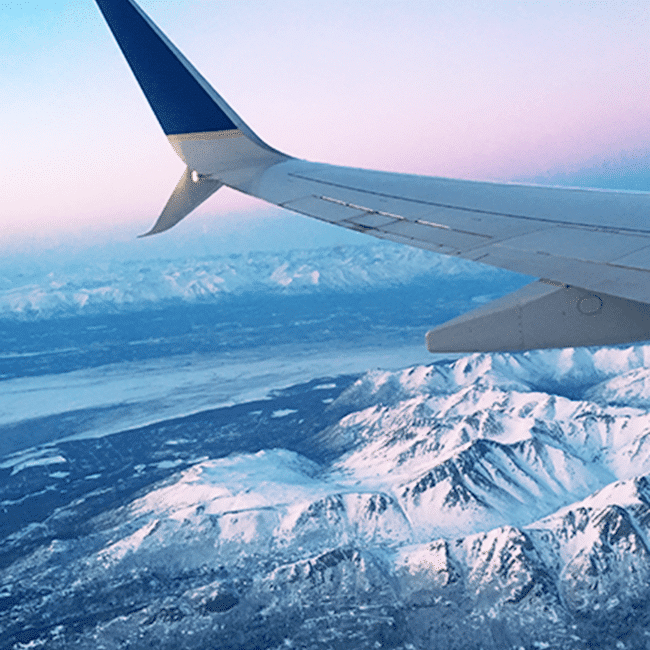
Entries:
{"x":181,"y":98}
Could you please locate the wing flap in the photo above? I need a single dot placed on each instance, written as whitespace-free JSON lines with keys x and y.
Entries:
{"x":540,"y":315}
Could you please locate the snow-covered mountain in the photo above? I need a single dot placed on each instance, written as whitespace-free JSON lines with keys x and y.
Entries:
{"x":90,"y":286}
{"x":495,"y":501}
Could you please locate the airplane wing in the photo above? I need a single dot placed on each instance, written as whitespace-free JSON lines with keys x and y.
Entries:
{"x":591,"y":247}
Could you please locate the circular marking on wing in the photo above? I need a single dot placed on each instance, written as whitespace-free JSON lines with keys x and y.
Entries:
{"x":590,"y":305}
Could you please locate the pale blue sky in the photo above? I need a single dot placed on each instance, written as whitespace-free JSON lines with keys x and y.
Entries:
{"x":500,"y":90}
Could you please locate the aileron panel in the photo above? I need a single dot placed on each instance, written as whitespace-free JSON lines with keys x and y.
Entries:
{"x":436,"y":235}
{"x":578,"y":244}
{"x":327,"y":210}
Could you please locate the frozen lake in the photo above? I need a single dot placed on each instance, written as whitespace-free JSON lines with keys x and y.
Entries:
{"x":111,"y":398}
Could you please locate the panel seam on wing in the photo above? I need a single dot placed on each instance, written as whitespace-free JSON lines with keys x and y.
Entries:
{"x":360,"y":207}
{"x":398,"y":217}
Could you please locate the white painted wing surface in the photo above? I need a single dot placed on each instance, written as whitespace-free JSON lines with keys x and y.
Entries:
{"x":598,"y":240}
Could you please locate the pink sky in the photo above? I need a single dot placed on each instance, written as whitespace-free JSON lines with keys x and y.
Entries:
{"x":497,"y":90}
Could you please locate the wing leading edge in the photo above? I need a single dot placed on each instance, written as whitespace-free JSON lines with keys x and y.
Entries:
{"x":592,"y":247}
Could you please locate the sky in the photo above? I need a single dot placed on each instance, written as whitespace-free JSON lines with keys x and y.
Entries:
{"x":552,"y":92}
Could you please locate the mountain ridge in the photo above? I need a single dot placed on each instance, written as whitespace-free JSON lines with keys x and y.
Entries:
{"x":89,"y":286}
{"x":454,"y":505}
